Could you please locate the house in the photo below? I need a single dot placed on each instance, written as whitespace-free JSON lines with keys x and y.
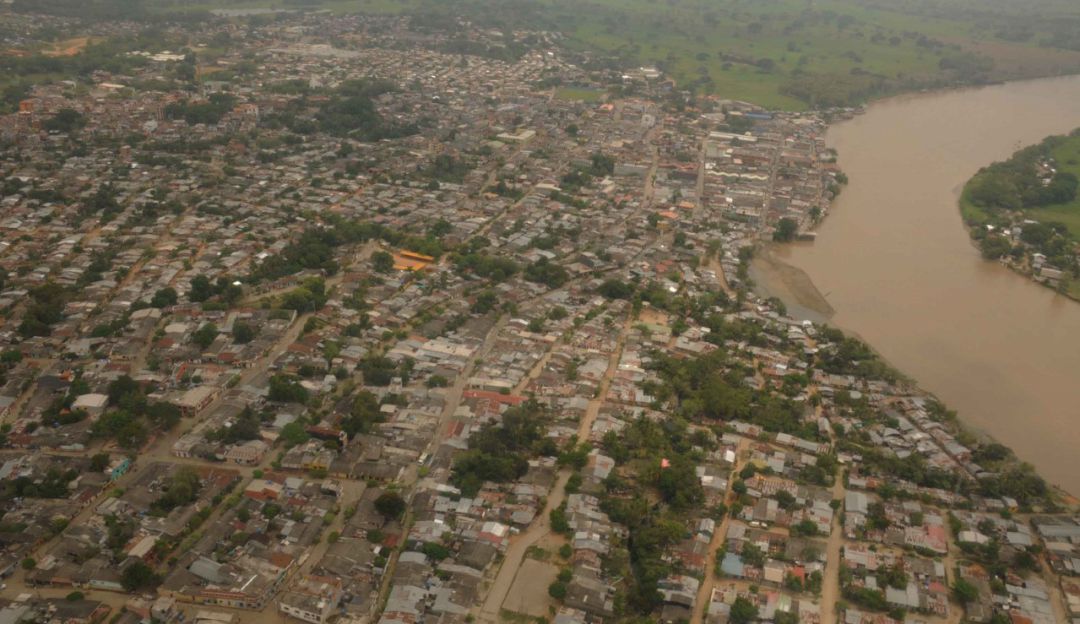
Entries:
{"x":248,"y":453}
{"x":312,"y":599}
{"x":93,"y":403}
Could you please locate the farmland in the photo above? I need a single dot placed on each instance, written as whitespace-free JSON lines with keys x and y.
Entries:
{"x":781,"y":54}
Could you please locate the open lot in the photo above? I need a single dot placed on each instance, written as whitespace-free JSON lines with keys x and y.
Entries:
{"x":529,"y":593}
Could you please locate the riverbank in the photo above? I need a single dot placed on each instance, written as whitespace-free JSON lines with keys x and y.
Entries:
{"x":1024,"y":212}
{"x":774,"y":278}
{"x":893,"y":261}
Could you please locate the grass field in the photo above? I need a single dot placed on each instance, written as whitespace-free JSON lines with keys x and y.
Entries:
{"x":782,"y":54}
{"x":1067,"y":156}
{"x":972,"y":214}
{"x":574,"y":93}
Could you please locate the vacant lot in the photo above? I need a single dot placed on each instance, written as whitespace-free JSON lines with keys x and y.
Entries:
{"x":573,"y":93}
{"x":529,"y":593}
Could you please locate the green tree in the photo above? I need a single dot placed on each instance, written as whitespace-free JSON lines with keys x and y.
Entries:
{"x":65,"y":120}
{"x":786,"y":229}
{"x":99,"y":462}
{"x":965,"y":591}
{"x":283,"y":389}
{"x":743,"y":611}
{"x":205,"y":335}
{"x":293,"y":434}
{"x":435,"y":551}
{"x":139,"y":576}
{"x":382,"y":262}
{"x":390,"y":505}
{"x":201,"y":289}
{"x":164,"y":297}
{"x":243,"y":333}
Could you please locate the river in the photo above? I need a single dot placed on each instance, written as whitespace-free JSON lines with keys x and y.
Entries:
{"x":895,"y":263}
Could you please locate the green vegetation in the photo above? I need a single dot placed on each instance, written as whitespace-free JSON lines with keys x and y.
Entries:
{"x":46,"y":308}
{"x":1035,"y":190}
{"x":501,"y":453}
{"x":786,"y":230}
{"x":65,"y":120}
{"x":547,"y":273}
{"x":139,"y":576}
{"x":788,"y":54}
{"x":245,"y":427}
{"x":1024,"y":182}
{"x":205,"y":335}
{"x":390,"y":505}
{"x":475,"y":261}
{"x":363,"y":414}
{"x":348,"y":112}
{"x":182,"y":489}
{"x":783,"y":54}
{"x":314,"y":249}
{"x":209,"y":112}
{"x":52,"y":485}
{"x":708,"y":388}
{"x":131,"y":416}
{"x":743,"y":611}
{"x":285,"y":389}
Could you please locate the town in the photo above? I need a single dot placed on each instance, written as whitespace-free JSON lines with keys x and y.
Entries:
{"x":326,"y":318}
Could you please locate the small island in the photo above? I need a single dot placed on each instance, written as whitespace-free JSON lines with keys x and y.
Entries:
{"x":1025,"y":213}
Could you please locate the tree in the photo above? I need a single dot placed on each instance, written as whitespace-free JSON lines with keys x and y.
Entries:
{"x":293,"y":434}
{"x":46,"y":308}
{"x":363,"y":414}
{"x":995,"y":246}
{"x":205,"y":335}
{"x":485,"y":302}
{"x":805,"y":527}
{"x":435,"y":551}
{"x":283,"y":389}
{"x":120,"y":388}
{"x":546,"y":272}
{"x":201,"y":289}
{"x":615,"y":289}
{"x":742,"y":611}
{"x":753,"y":555}
{"x":66,"y":120}
{"x":382,"y":262}
{"x":786,"y":229}
{"x":99,"y":462}
{"x":390,"y":505}
{"x":164,"y":297}
{"x":139,"y":576}
{"x":29,"y":563}
{"x":182,"y":489}
{"x":965,"y":591}
{"x":243,"y":333}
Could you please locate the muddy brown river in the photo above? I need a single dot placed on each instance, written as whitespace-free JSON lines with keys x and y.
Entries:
{"x":895,"y":263}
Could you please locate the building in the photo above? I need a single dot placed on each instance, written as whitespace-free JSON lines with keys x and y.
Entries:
{"x":312,"y":599}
